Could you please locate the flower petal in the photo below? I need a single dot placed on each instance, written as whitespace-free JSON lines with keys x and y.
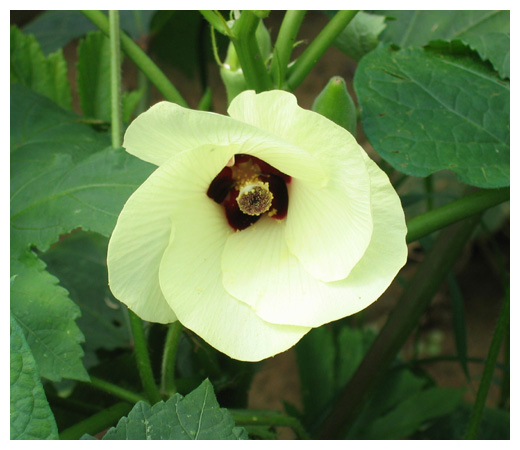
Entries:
{"x":167,"y":129}
{"x":387,"y":252}
{"x":144,"y":229}
{"x":260,"y":270}
{"x":328,"y":228}
{"x":191,"y":280}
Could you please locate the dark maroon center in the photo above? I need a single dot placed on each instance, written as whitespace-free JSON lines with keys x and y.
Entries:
{"x":224,"y":189}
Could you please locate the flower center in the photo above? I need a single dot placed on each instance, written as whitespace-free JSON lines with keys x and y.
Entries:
{"x":248,"y":188}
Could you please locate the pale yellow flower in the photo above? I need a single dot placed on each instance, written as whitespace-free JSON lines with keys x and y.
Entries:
{"x":320,"y":233}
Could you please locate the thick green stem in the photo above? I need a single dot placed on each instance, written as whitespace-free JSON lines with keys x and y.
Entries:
{"x":316,"y":49}
{"x":96,"y":423}
{"x":250,"y":417}
{"x":489,"y":368}
{"x":475,"y":203}
{"x":399,"y":325}
{"x":115,"y":79}
{"x":141,"y":59}
{"x":284,"y":46}
{"x":168,"y":386}
{"x":248,"y":52}
{"x":116,"y":391}
{"x":143,"y":359}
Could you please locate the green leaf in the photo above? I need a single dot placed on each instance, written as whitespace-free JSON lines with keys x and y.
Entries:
{"x":180,"y":26}
{"x":327,"y":358}
{"x":31,"y":417}
{"x":94,"y":80}
{"x":352,"y":344}
{"x":94,"y":76}
{"x":55,"y":29}
{"x":410,"y":414}
{"x":418,"y":28}
{"x":425,"y":111}
{"x":194,"y":417}
{"x":46,"y":315}
{"x":79,"y":262}
{"x":495,"y":425}
{"x":61,"y":179}
{"x":487,"y":32}
{"x":316,"y":354}
{"x":459,"y":322}
{"x":130,"y":101}
{"x":492,"y":47}
{"x":402,"y":403}
{"x":47,"y":76}
{"x":361,"y":35}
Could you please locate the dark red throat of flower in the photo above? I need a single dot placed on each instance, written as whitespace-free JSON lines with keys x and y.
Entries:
{"x":249,"y":189}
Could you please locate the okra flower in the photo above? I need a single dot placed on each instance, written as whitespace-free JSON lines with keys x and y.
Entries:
{"x":254,"y":228}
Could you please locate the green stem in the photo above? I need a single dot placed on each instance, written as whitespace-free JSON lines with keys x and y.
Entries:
{"x":248,"y":52}
{"x":143,"y":359}
{"x":284,"y":45}
{"x":71,"y":405}
{"x":475,"y":203}
{"x":489,"y":368}
{"x":141,"y":59}
{"x":116,"y":391}
{"x":269,"y":418}
{"x":404,"y":318}
{"x":115,"y":79}
{"x":505,"y":384}
{"x":316,"y":49}
{"x":168,"y":385}
{"x":96,"y":423}
{"x":428,"y":187}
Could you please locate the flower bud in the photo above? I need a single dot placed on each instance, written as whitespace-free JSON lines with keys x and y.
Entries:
{"x":336,"y":104}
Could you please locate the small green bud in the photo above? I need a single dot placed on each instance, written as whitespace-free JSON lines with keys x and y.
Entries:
{"x":335,"y":103}
{"x":233,"y":80}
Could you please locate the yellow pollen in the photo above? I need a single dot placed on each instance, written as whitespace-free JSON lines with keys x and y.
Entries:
{"x":254,"y":198}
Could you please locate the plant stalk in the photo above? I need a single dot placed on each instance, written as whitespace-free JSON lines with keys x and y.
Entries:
{"x":251,"y":417}
{"x":443,"y":216}
{"x":142,"y":357}
{"x":141,"y":60}
{"x":96,"y":423}
{"x":171,"y":344}
{"x":116,"y":391}
{"x":316,"y":49}
{"x":404,"y":318}
{"x":489,"y":368}
{"x":284,"y":46}
{"x":248,"y":52}
{"x":115,"y":79}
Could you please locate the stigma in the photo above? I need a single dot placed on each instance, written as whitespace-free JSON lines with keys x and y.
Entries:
{"x":255,"y":198}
